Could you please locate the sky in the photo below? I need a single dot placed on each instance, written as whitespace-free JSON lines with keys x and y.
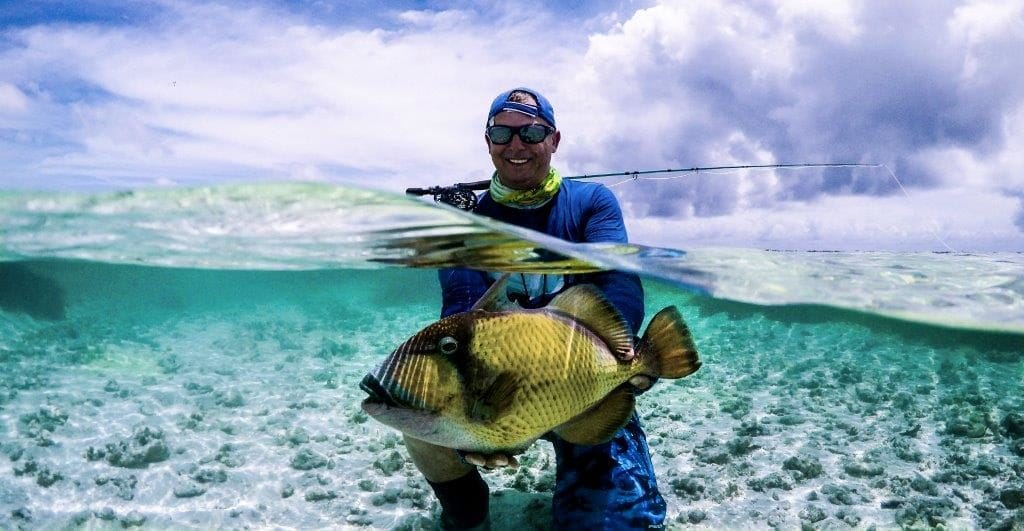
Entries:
{"x":101,"y":96}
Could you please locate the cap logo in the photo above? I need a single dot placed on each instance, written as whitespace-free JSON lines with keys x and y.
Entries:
{"x":520,"y":107}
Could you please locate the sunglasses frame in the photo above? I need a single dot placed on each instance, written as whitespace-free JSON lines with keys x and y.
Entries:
{"x":518,"y":131}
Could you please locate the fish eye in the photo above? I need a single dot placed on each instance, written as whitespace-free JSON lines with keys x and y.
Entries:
{"x":448,"y":345}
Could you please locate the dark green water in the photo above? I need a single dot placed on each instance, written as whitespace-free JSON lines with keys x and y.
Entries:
{"x":212,"y":398}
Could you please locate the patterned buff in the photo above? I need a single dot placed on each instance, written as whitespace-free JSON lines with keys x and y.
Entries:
{"x":533,"y":198}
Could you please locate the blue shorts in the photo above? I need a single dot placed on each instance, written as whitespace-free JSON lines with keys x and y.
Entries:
{"x":607,"y":486}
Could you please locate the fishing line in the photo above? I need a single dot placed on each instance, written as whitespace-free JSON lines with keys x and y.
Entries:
{"x":934,"y":223}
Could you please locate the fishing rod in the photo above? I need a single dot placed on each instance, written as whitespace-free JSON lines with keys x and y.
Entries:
{"x":460,"y":195}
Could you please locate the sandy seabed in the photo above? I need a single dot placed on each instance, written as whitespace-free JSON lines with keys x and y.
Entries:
{"x":251,"y":419}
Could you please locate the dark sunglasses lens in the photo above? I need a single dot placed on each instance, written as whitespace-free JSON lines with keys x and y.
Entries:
{"x":533,"y":134}
{"x":499,"y":134}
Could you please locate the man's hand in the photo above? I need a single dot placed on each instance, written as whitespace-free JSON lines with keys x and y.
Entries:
{"x":641,"y":382}
{"x":490,"y":461}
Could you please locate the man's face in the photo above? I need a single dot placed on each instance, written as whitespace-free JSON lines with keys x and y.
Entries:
{"x":522,"y":166}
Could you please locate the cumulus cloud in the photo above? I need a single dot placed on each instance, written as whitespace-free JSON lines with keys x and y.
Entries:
{"x":706,"y":83}
{"x":200,"y":93}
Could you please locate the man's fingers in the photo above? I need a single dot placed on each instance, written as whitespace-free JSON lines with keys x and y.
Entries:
{"x":491,"y":461}
{"x":475,"y":459}
{"x":641,"y":382}
{"x":499,"y":460}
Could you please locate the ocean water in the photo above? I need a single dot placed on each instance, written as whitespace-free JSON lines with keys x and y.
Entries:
{"x":191,"y":358}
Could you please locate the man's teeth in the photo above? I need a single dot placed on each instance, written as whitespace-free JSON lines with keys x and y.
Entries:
{"x":518,"y":161}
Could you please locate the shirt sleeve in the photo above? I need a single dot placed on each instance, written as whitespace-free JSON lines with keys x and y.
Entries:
{"x":604,"y":223}
{"x":461,"y":288}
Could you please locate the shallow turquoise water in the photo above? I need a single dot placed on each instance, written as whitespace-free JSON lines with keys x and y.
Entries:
{"x":215,"y":382}
{"x":244,"y":374}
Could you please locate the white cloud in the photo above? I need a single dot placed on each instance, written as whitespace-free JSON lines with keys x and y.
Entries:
{"x":12,"y":99}
{"x":274,"y":93}
{"x":979,"y":21}
{"x":836,"y":19}
{"x":450,"y":19}
{"x":648,"y":78}
{"x":998,"y":170}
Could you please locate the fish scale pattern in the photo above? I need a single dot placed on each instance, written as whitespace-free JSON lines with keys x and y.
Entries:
{"x":561,"y":367}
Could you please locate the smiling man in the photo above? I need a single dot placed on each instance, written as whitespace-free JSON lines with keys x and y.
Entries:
{"x":606,"y":486}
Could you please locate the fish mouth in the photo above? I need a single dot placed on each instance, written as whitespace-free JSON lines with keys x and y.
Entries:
{"x":376,"y":393}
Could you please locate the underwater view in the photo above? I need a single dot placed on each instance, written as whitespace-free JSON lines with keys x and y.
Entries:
{"x":191,"y":358}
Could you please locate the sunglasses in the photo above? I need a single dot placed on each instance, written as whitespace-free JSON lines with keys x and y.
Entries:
{"x":529,"y":134}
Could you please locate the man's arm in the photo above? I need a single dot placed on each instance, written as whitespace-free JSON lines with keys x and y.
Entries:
{"x":624,"y":291}
{"x":460,"y":289}
{"x":603,"y":223}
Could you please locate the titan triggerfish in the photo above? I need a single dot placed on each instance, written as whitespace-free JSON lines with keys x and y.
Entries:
{"x":498,"y":377}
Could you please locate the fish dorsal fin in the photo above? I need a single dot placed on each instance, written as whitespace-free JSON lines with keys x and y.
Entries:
{"x":495,"y":299}
{"x":494,"y":401}
{"x":586,"y":304}
{"x":599,"y":424}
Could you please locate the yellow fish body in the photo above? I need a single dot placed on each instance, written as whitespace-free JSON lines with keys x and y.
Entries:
{"x":495,"y":379}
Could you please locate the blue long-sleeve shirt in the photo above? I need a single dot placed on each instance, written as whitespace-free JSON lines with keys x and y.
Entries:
{"x":580,"y":212}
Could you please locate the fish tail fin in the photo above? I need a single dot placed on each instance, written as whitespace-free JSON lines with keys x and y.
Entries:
{"x":667,"y":349}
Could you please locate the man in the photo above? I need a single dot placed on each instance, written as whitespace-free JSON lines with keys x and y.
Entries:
{"x":607,"y":486}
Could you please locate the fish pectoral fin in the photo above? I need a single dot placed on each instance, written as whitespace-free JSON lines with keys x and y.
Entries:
{"x":587,"y":305}
{"x":598,"y":424}
{"x":495,"y":299}
{"x":495,"y":400}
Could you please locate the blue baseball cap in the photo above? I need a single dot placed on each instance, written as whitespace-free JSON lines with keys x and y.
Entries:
{"x":501,"y":104}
